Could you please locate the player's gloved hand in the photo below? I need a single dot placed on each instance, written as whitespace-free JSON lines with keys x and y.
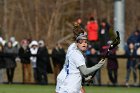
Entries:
{"x":102,"y":62}
{"x":88,"y":78}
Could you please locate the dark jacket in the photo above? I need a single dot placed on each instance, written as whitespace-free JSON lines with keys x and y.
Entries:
{"x":43,"y":61}
{"x":92,"y":60}
{"x":131,"y":60}
{"x":58,"y":56}
{"x":2,"y":63}
{"x":104,"y":35}
{"x":133,"y":38}
{"x":112,"y":62}
{"x":10,"y":55}
{"x":24,"y":55}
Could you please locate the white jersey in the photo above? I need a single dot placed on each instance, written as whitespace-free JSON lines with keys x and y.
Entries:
{"x":69,"y":79}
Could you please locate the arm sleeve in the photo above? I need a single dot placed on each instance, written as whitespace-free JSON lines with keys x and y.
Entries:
{"x":87,"y":71}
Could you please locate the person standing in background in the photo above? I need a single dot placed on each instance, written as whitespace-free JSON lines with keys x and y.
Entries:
{"x":112,"y":67}
{"x":92,"y":60}
{"x":10,"y":55}
{"x":130,"y":52}
{"x":42,"y":61}
{"x":104,"y":33}
{"x":24,"y":55}
{"x":33,"y":58}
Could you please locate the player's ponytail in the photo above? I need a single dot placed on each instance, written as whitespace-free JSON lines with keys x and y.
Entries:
{"x":77,"y":30}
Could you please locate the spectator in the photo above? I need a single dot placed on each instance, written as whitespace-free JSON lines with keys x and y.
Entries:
{"x":92,"y":30}
{"x":134,"y":37}
{"x":33,"y":49}
{"x":15,"y":44}
{"x":92,"y":60}
{"x":11,"y":54}
{"x":104,"y":33}
{"x":58,"y":57}
{"x":24,"y":55}
{"x":112,"y":67}
{"x":131,"y":62}
{"x":42,"y":61}
{"x":2,"y":63}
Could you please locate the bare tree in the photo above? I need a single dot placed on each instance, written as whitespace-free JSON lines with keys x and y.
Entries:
{"x":52,"y":20}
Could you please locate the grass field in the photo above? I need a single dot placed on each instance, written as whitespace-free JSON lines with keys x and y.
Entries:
{"x":50,"y":89}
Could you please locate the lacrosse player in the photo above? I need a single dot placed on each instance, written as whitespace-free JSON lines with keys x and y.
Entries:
{"x":70,"y":78}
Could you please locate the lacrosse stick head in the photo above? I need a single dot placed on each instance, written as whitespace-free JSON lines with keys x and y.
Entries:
{"x":115,"y":42}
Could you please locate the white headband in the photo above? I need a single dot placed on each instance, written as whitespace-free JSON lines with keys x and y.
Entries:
{"x":82,"y":36}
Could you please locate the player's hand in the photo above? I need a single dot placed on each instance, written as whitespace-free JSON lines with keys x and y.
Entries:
{"x":102,"y":62}
{"x":88,"y":78}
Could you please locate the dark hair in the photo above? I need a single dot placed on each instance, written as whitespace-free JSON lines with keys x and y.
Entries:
{"x":137,"y":31}
{"x":104,"y":21}
{"x":131,"y":42}
{"x":77,"y":30}
{"x":91,"y":18}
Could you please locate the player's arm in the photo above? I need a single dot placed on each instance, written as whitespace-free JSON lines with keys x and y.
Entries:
{"x":89,"y":71}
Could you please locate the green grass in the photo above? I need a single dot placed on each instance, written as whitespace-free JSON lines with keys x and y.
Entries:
{"x":111,"y":90}
{"x":50,"y":89}
{"x":26,"y":89}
